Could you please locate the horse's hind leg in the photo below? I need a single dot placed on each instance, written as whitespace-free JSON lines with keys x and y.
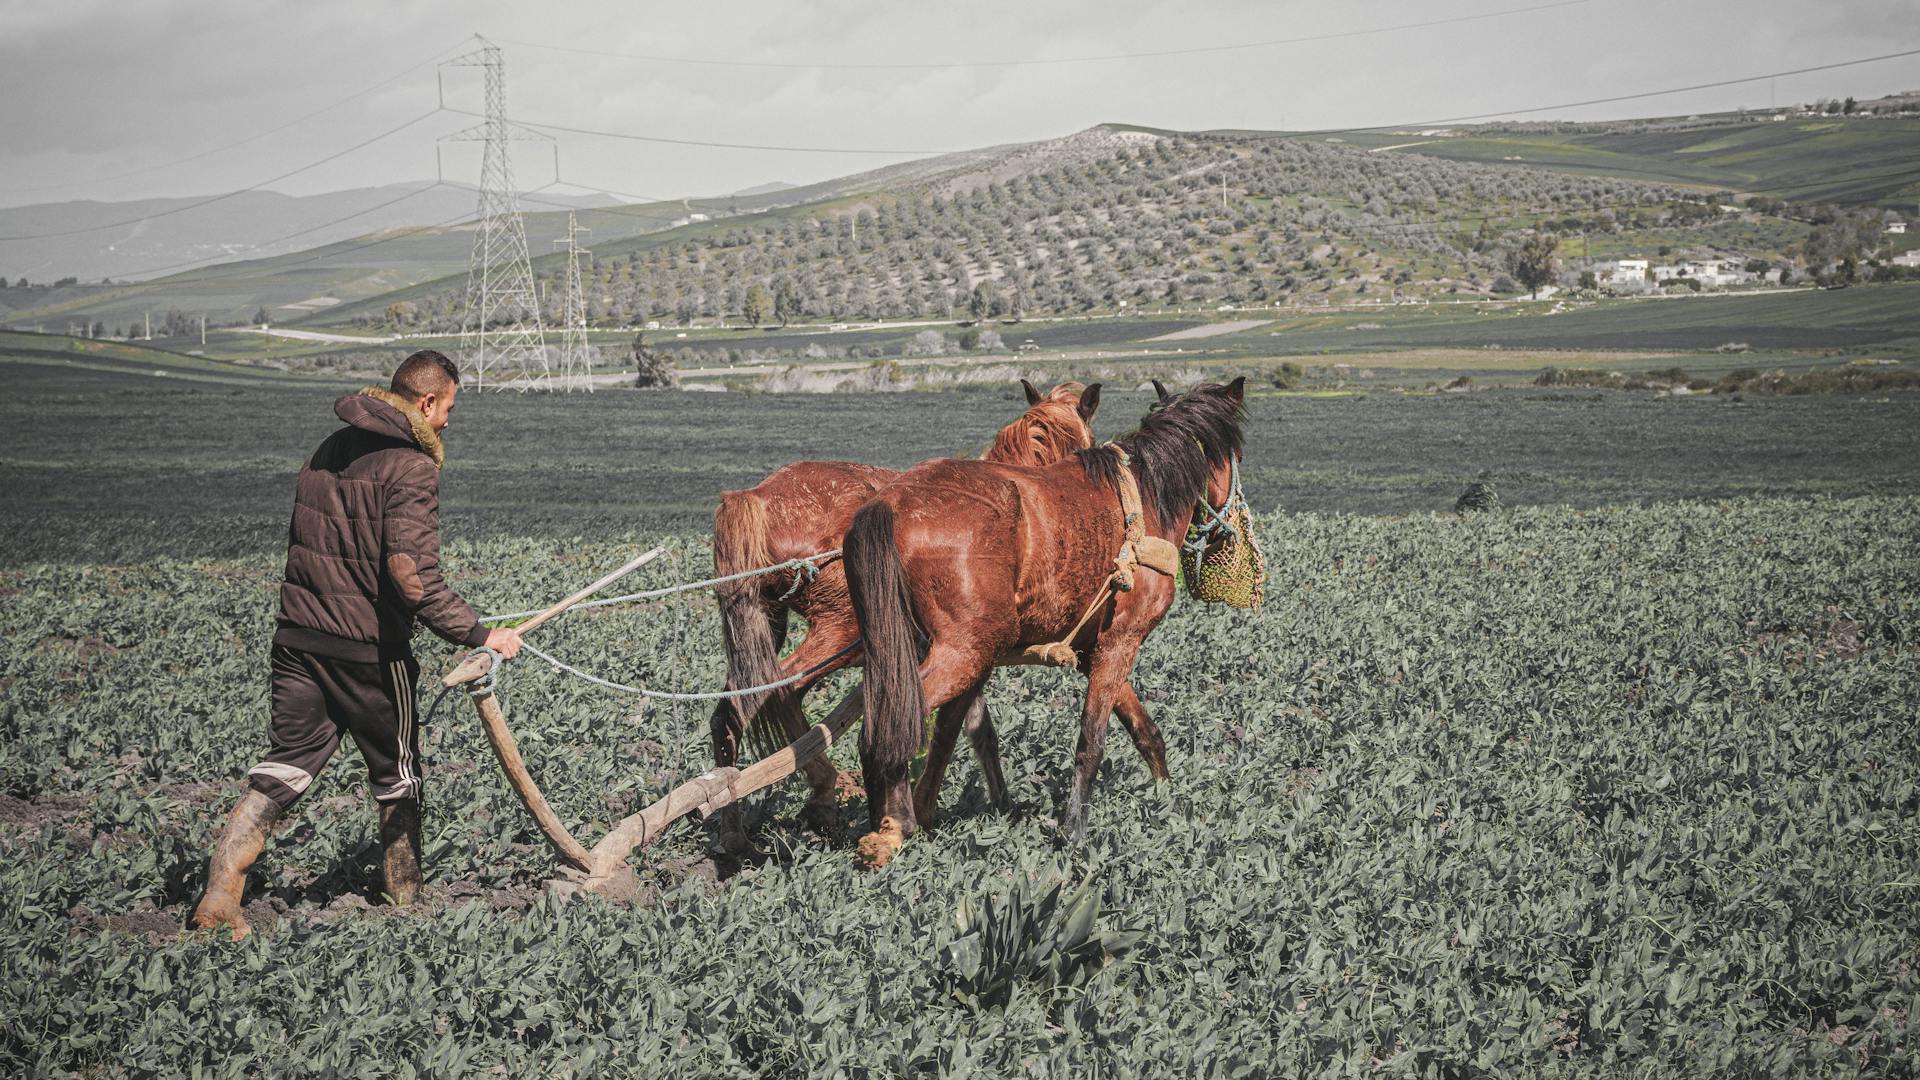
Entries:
{"x":1146,"y":735}
{"x":823,"y":640}
{"x":1106,"y":680}
{"x":986,"y":750}
{"x":947,"y":723}
{"x":946,"y":674}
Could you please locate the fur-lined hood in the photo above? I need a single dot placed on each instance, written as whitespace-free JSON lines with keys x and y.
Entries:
{"x":384,"y":412}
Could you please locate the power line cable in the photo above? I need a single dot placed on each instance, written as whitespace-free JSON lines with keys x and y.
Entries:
{"x":542,"y":126}
{"x":243,"y":268}
{"x":143,"y":170}
{"x":1603,"y":100}
{"x":631,"y":195}
{"x":215,"y":259}
{"x":1251,"y":136}
{"x":1045,"y":61}
{"x":228,"y":195}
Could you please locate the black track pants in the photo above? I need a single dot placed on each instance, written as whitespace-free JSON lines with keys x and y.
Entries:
{"x":317,"y":699}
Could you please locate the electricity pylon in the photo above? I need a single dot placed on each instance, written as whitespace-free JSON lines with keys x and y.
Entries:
{"x":501,"y":330}
{"x":576,"y":355}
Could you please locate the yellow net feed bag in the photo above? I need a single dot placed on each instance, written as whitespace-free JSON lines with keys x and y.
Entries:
{"x":1231,"y":570}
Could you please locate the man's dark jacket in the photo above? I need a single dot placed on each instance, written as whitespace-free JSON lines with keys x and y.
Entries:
{"x":363,"y":552}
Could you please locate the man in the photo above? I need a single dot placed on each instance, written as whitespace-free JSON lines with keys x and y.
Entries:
{"x":363,"y":563}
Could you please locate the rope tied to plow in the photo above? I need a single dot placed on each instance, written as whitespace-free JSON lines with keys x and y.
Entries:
{"x":807,"y":567}
{"x":668,"y":695}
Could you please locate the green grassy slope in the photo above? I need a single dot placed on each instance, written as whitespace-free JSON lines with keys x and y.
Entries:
{"x":1864,"y":317}
{"x":375,"y":265}
{"x":1850,"y":161}
{"x":36,"y":357}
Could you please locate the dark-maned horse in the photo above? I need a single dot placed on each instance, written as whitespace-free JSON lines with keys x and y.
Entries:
{"x":803,"y":509}
{"x":958,"y":564}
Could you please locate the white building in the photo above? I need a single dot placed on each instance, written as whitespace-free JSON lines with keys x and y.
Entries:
{"x":1907,"y":258}
{"x":1623,"y":272}
{"x":1897,"y":228}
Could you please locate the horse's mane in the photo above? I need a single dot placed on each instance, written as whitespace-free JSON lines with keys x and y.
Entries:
{"x":1045,"y":433}
{"x":1174,"y":450}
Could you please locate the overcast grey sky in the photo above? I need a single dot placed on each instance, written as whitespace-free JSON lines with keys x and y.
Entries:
{"x":96,"y":90}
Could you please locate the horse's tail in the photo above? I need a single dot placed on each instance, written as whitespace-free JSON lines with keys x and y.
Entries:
{"x":895,"y":706}
{"x":740,"y":543}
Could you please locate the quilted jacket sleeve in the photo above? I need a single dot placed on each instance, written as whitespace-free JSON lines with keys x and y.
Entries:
{"x":410,"y":543}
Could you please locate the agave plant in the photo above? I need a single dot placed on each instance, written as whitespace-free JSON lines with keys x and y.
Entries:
{"x":1050,"y":942}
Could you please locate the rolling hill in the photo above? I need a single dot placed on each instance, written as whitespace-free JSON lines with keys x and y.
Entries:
{"x":1847,"y":160}
{"x":1113,"y":218}
{"x":165,"y":234}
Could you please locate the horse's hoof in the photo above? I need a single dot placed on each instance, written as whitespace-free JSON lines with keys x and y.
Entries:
{"x":232,"y":921}
{"x":878,"y":848}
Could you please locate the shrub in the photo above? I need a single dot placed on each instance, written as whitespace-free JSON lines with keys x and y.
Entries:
{"x":925,"y":343}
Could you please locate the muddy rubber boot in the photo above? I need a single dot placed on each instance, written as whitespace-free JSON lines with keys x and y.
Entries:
{"x":400,"y":842}
{"x":233,"y":855}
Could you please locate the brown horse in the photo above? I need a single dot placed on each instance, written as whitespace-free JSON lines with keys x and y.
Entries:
{"x":803,"y":509}
{"x":958,"y":564}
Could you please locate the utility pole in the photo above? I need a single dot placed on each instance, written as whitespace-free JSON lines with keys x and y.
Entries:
{"x":501,"y":327}
{"x":148,"y":315}
{"x":203,"y":331}
{"x":576,"y":354}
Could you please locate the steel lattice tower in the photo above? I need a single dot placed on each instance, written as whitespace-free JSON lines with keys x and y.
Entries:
{"x":576,"y":355}
{"x":501,"y":329}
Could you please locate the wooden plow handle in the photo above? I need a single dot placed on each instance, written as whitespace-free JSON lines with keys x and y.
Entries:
{"x":508,"y":752}
{"x":479,"y":664}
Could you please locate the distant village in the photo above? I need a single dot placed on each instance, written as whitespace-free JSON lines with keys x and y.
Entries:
{"x":1639,"y":275}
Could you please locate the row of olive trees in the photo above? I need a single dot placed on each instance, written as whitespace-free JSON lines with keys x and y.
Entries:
{"x":1177,"y":221}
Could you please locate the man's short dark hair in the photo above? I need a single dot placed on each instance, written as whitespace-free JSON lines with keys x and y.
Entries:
{"x":425,"y":372}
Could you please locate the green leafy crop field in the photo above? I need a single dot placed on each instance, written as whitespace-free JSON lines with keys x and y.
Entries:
{"x":1617,"y":779}
{"x":1536,"y":792}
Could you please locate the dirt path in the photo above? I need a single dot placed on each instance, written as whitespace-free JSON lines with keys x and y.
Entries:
{"x":1211,"y":330}
{"x":316,"y":335}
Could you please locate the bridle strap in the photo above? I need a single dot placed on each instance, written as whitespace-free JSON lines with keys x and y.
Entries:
{"x":1218,"y":520}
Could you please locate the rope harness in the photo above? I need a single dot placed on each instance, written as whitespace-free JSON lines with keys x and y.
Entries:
{"x":1225,"y":529}
{"x":1137,"y":549}
{"x":1201,"y":534}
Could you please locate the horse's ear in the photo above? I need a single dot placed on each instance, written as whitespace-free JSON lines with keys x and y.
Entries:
{"x":1089,"y":404}
{"x":1161,"y":390}
{"x":1033,"y":396}
{"x":1237,"y":390}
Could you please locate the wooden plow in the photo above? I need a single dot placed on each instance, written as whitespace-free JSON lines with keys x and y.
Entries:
{"x":603,"y":868}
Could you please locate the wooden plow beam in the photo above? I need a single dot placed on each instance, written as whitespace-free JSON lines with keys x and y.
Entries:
{"x":603,"y":869}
